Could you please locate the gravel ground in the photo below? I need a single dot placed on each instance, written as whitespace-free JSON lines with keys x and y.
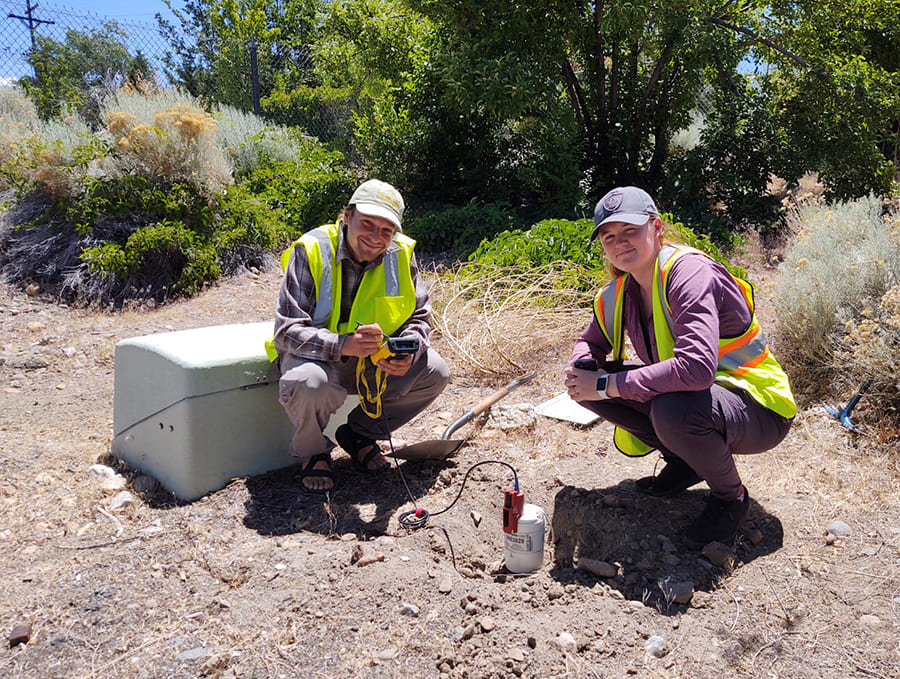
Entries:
{"x":261,"y":580}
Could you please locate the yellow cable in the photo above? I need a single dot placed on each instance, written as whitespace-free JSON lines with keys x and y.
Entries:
{"x":365,"y":393}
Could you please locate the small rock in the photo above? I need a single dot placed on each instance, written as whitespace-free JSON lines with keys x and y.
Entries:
{"x":566,"y":642}
{"x":32,"y":289}
{"x":601,"y":569}
{"x":839,"y":528}
{"x":471,"y":609}
{"x":117,"y":482}
{"x":510,"y":417}
{"x":532,"y":642}
{"x":410,"y":610}
{"x":198,"y":653}
{"x":476,"y":518}
{"x":372,"y":558}
{"x":356,"y":553}
{"x":556,"y":591}
{"x":612,"y":500}
{"x":870,"y":620}
{"x":121,"y":499}
{"x":719,"y":554}
{"x":387,"y":654}
{"x":348,"y":537}
{"x":487,"y":624}
{"x":446,"y":585}
{"x":21,"y":634}
{"x":144,"y":484}
{"x":655,"y":646}
{"x":468,"y":632}
{"x":516,"y":655}
{"x":101,"y":471}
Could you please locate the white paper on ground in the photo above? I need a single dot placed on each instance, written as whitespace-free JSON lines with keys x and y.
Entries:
{"x":562,"y":407}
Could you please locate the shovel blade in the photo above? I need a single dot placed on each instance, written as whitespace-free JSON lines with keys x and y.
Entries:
{"x":427,"y":450}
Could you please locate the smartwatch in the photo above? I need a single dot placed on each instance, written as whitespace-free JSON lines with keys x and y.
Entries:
{"x":601,"y":386}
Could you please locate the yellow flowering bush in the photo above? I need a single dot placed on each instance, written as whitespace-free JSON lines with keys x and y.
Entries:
{"x":179,"y":145}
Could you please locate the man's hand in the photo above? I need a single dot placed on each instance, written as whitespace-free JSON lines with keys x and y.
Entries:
{"x":398,"y":365}
{"x":364,"y":342}
{"x":582,"y":384}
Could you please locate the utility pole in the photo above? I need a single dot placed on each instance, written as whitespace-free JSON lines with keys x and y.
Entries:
{"x":32,"y":23}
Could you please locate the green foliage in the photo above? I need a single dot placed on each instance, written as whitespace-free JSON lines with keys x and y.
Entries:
{"x":459,"y":229}
{"x":422,"y":131}
{"x":211,"y":45}
{"x":838,"y":300}
{"x":323,"y":111}
{"x":307,"y":194}
{"x":720,"y":183}
{"x":561,"y":240}
{"x":68,"y":74}
{"x":841,"y":110}
{"x":144,"y":209}
{"x":622,"y":74}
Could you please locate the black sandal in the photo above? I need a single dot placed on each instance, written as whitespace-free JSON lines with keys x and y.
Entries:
{"x":308,"y":470}
{"x":353,"y":443}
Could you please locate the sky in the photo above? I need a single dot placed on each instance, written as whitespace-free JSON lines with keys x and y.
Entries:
{"x":135,"y":12}
{"x":142,"y":11}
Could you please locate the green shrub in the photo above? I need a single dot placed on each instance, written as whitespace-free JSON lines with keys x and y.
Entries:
{"x":322,"y":111}
{"x":459,"y":229}
{"x":554,"y":240}
{"x":308,"y":194}
{"x":147,"y":208}
{"x":838,"y":302}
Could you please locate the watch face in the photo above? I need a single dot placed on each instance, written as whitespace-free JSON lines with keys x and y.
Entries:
{"x":601,"y":383}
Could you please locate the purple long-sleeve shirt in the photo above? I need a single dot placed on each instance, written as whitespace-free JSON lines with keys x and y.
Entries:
{"x":706,"y":305}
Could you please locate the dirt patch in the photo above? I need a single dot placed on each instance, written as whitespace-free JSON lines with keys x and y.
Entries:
{"x":260,"y":580}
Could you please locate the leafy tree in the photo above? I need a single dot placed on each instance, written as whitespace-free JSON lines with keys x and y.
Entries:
{"x":837,"y":85}
{"x":77,"y":73}
{"x":628,"y":71}
{"x":212,"y":40}
{"x":417,"y":127}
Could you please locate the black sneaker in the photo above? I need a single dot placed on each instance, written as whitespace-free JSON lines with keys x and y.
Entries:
{"x":674,"y":478}
{"x":718,"y":522}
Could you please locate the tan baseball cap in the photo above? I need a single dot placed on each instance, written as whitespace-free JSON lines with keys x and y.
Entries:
{"x":379,"y":199}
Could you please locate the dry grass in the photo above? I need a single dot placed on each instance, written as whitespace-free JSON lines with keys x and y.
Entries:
{"x":496,"y":320}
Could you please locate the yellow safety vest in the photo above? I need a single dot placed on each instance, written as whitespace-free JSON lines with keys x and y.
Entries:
{"x":744,"y":362}
{"x":386,"y":293}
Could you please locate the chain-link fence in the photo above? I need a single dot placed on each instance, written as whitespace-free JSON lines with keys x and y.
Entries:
{"x":21,"y":26}
{"x":232,"y":71}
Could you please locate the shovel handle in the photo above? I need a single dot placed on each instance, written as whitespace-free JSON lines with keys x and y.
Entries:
{"x":486,"y":403}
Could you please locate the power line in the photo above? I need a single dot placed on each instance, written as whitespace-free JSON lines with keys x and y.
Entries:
{"x":32,"y":23}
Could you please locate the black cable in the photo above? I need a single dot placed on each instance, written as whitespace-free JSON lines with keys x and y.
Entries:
{"x":418,"y":517}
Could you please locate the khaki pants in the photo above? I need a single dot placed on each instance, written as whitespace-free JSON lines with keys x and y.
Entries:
{"x":311,"y":391}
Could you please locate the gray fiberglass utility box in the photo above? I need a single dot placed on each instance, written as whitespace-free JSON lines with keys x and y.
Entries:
{"x":197,"y":408}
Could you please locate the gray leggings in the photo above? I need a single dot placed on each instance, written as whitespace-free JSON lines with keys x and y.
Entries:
{"x":703,"y":428}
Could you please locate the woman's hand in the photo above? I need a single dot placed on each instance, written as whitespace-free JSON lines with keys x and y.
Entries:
{"x":582,"y":384}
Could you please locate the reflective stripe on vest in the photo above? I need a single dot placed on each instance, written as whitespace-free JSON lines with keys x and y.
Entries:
{"x":743,"y":362}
